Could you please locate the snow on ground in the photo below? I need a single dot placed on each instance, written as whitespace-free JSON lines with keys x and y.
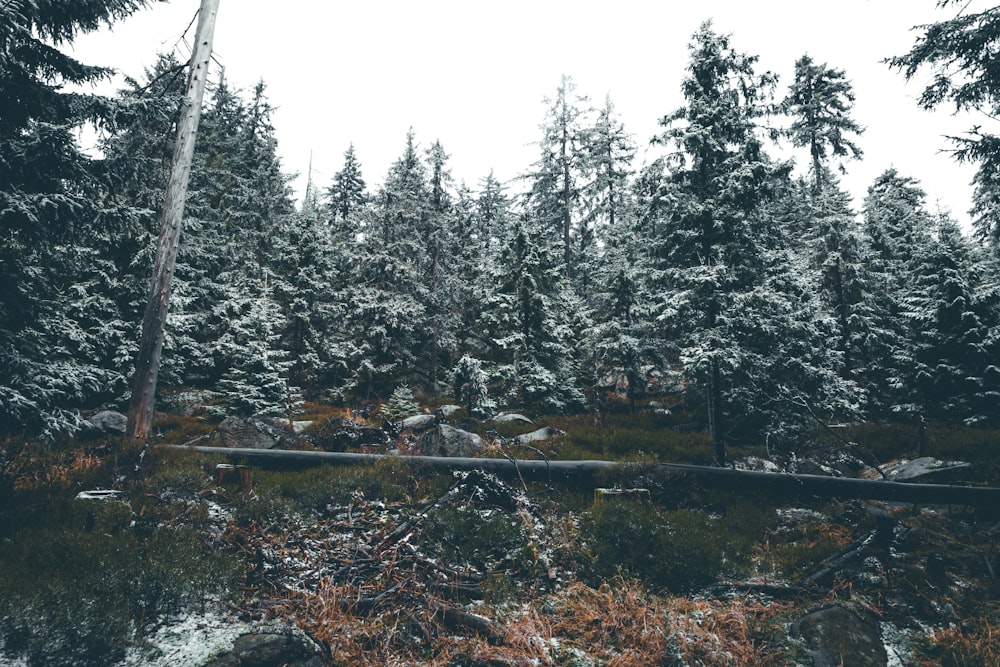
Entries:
{"x":190,"y":639}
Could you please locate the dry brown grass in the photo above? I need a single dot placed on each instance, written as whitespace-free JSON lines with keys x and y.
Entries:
{"x":618,"y":623}
{"x":410,"y":630}
{"x":28,"y":472}
{"x":624,"y":626}
{"x":975,"y":643}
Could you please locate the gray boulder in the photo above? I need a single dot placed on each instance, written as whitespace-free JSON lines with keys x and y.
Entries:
{"x":839,"y":636}
{"x":291,"y":648}
{"x":928,"y":470}
{"x":542,"y":434}
{"x":108,"y":422}
{"x":448,"y":410}
{"x":446,"y":440}
{"x":418,"y":423}
{"x":512,"y":417}
{"x":251,"y":433}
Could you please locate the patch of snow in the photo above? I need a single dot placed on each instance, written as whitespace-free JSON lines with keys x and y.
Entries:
{"x":895,"y":640}
{"x":191,"y":639}
{"x":99,"y":494}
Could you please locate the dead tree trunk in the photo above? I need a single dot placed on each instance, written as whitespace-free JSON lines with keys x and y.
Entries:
{"x":578,"y":471}
{"x":147,"y":363}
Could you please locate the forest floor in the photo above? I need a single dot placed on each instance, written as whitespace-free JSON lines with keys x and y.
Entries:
{"x":391,"y":565}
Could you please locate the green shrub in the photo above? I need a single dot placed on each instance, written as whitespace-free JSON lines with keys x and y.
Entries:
{"x":682,"y":550}
{"x":465,"y":534}
{"x":70,"y":596}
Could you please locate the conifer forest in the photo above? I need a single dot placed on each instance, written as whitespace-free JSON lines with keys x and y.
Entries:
{"x":727,"y":297}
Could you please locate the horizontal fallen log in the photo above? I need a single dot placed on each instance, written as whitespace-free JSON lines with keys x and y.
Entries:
{"x":735,"y":480}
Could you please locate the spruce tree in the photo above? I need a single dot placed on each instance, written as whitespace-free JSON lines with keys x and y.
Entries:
{"x":562,"y":172}
{"x":960,"y":52}
{"x":819,"y":101}
{"x":948,"y":365}
{"x":347,"y":195}
{"x":55,"y":216}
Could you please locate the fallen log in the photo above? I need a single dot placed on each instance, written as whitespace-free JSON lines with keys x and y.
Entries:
{"x":736,"y":480}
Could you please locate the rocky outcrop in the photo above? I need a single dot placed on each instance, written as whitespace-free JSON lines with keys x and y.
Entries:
{"x":839,"y":636}
{"x":446,"y":440}
{"x":927,"y":470}
{"x":541,"y":435}
{"x":290,"y":648}
{"x":252,"y":433}
{"x":418,"y":423}
{"x":511,"y":417}
{"x":107,"y":422}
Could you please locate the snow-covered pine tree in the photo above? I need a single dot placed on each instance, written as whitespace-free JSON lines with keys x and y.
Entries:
{"x":346,"y":196}
{"x":729,"y":298}
{"x":820,"y":101}
{"x":385,"y":323}
{"x":54,"y":215}
{"x":562,"y":172}
{"x":255,"y":379}
{"x":960,"y":52}
{"x":528,"y":317}
{"x":401,"y":404}
{"x":949,"y":363}
{"x":896,"y":228}
{"x":470,"y":387}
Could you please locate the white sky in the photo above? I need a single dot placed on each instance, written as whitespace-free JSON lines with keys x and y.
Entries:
{"x":474,"y":74}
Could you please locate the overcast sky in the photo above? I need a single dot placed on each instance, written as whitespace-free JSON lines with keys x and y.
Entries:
{"x":474,"y":74}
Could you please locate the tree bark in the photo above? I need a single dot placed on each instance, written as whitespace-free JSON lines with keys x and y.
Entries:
{"x":147,"y":364}
{"x":584,"y":470}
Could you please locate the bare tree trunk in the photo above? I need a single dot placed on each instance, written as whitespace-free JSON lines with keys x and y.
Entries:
{"x":147,"y":364}
{"x":583,"y":472}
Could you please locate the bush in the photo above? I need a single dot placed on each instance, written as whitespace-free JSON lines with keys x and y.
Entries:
{"x":482,"y":538}
{"x":677,"y":551}
{"x":71,"y":596}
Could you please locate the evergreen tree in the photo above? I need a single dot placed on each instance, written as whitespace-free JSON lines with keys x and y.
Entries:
{"x":386,"y":323}
{"x":896,"y":230}
{"x":562,"y":171}
{"x":469,"y":385}
{"x":442,"y":320}
{"x":347,"y":195}
{"x":961,"y":54}
{"x":401,"y":404}
{"x":948,"y":364}
{"x":740,"y":318}
{"x":54,"y":215}
{"x":529,"y":321}
{"x":820,"y":100}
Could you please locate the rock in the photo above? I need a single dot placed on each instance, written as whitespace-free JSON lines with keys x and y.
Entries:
{"x":341,"y":434}
{"x":446,"y":440}
{"x":839,"y":636}
{"x":812,"y":467}
{"x":290,"y":648}
{"x":418,"y":423}
{"x":928,"y":470}
{"x":542,"y":434}
{"x":512,"y":417}
{"x":447,"y":410}
{"x":109,"y":422}
{"x":756,"y":463}
{"x":251,"y":433}
{"x":186,"y":402}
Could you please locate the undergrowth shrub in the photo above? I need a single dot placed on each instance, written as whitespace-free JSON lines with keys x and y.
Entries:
{"x":464,"y":534}
{"x":72,"y":596}
{"x":679,"y":550}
